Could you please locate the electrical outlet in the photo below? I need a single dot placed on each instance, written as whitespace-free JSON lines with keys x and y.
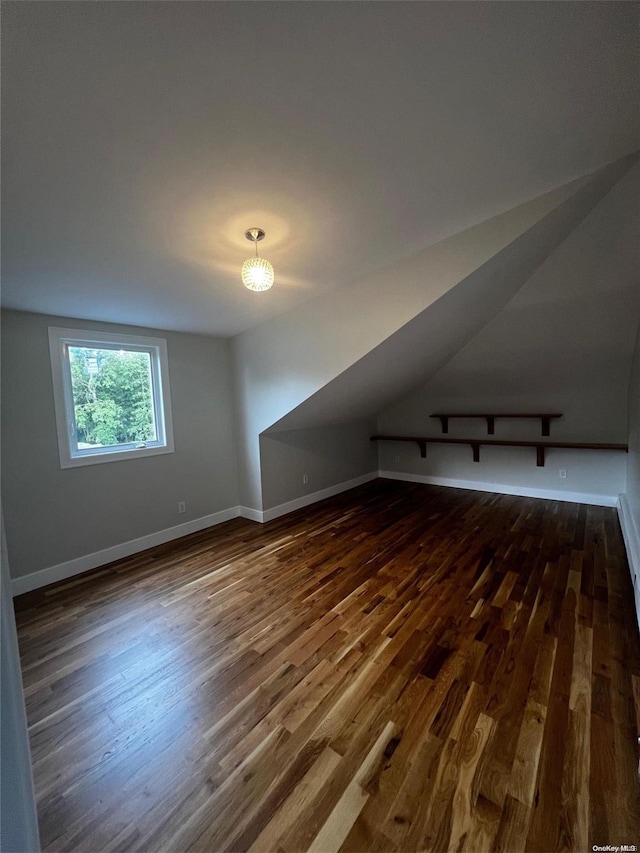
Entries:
{"x":305,"y":479}
{"x":562,"y":473}
{"x":182,"y":507}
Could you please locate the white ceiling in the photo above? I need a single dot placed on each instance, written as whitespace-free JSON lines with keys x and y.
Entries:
{"x":141,"y":139}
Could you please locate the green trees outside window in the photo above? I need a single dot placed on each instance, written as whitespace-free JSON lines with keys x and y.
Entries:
{"x":112,"y":396}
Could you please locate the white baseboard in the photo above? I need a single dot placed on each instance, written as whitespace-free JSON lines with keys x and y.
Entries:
{"x":314,"y":497}
{"x":61,"y":571}
{"x":631,"y":536}
{"x":498,"y":488}
{"x":251,"y":514}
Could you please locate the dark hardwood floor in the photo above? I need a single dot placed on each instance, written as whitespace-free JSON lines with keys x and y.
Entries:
{"x":399,"y":668}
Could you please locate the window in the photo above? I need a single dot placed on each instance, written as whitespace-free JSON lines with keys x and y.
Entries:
{"x":111,"y":395}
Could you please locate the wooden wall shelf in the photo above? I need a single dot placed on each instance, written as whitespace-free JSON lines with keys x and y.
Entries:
{"x":475,"y":444}
{"x":545,"y":419}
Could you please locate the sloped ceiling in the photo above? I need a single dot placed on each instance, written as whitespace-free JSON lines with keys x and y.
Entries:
{"x":283,"y":362}
{"x":420,"y":348}
{"x":140,"y":140}
{"x":565,"y":339}
{"x":564,"y":342}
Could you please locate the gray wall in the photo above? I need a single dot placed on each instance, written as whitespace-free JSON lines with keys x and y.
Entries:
{"x":563,"y":343}
{"x":632,"y":496}
{"x":633,"y":462}
{"x":328,"y":455}
{"x":18,"y":819}
{"x":54,"y":515}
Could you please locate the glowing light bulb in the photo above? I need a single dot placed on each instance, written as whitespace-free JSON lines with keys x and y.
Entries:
{"x":257,"y":274}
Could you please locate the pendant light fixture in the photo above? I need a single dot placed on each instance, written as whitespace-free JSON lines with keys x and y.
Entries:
{"x":257,"y":274}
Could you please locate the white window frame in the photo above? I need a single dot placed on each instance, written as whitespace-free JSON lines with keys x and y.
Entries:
{"x":70,"y":456}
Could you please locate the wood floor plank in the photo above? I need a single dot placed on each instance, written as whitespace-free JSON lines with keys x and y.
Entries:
{"x":398,"y":668}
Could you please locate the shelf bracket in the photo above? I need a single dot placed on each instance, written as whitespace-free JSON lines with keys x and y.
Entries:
{"x":546,"y":423}
{"x":540,"y":456}
{"x":491,"y":425}
{"x":444,"y":420}
{"x":475,"y":446}
{"x":423,"y":448}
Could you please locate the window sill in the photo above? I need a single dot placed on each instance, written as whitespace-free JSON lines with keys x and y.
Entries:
{"x":114,"y":456}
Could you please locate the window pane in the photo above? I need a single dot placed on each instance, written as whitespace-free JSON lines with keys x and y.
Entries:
{"x":112,"y":397}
